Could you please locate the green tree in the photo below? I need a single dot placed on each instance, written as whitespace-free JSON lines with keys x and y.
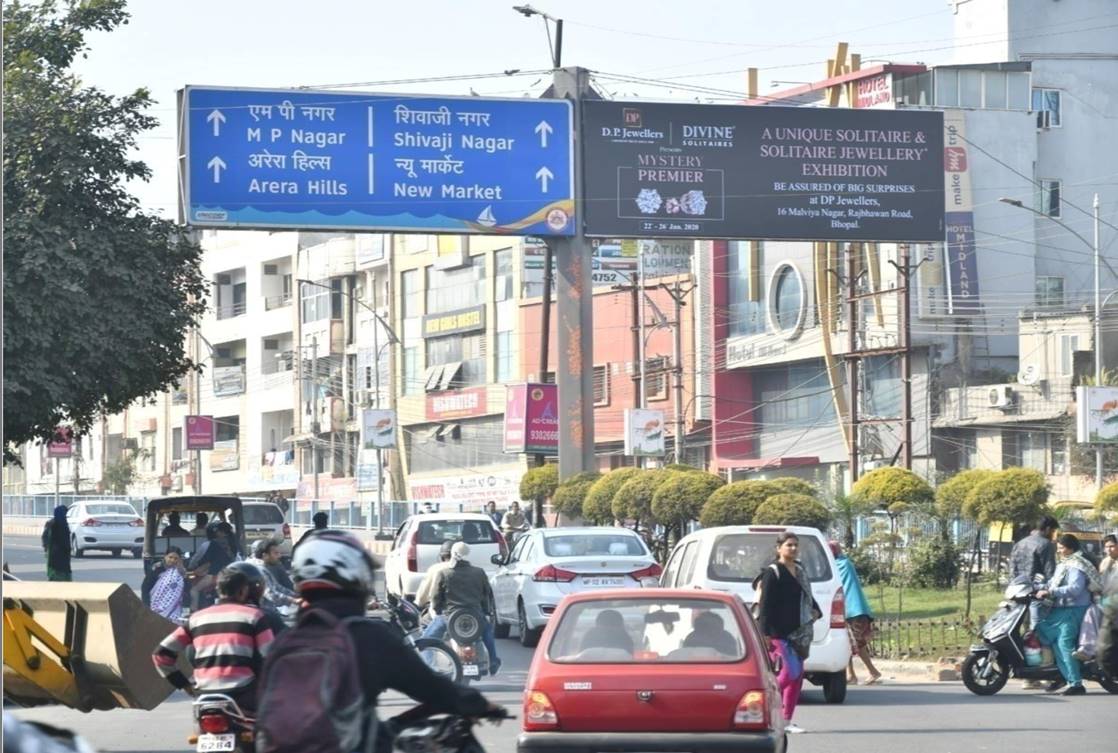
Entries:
{"x":897,"y":490}
{"x":792,"y":485}
{"x":1106,"y":501}
{"x":793,"y":510}
{"x":845,"y":510}
{"x":570,"y":495}
{"x":97,"y":292}
{"x":1015,"y":496}
{"x":598,"y":504}
{"x":634,"y":499}
{"x":951,"y":495}
{"x":118,"y":476}
{"x":734,"y":504}
{"x":680,"y":499}
{"x":538,"y":484}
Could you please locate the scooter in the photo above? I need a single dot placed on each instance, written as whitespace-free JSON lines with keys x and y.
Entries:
{"x":221,"y":725}
{"x":464,"y":628}
{"x":436,"y":654}
{"x":1003,"y":652}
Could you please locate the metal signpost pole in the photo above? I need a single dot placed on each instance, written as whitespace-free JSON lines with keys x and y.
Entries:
{"x":677,"y":369}
{"x":575,"y":311}
{"x":642,"y":359}
{"x":1098,"y":333}
{"x":314,"y":414}
{"x":57,"y":479}
{"x":380,"y":474}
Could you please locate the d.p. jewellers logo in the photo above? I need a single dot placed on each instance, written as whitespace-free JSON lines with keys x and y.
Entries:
{"x":632,"y":129}
{"x":631,"y":117}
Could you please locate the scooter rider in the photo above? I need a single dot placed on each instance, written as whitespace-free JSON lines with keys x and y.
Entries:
{"x":464,"y":586}
{"x":514,"y":523}
{"x":333,"y":572}
{"x":229,"y":640}
{"x":426,"y":591}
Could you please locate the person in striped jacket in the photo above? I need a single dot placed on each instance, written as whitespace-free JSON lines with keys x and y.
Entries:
{"x":229,"y":640}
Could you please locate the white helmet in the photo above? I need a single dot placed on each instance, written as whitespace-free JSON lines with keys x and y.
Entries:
{"x":459,"y":551}
{"x":332,"y":561}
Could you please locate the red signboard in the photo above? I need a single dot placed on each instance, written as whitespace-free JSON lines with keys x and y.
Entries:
{"x":873,"y":91}
{"x":457,"y":404}
{"x":61,"y":444}
{"x":199,"y":432}
{"x":532,"y":419}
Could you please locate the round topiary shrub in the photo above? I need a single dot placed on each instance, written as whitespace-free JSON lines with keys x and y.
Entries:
{"x":734,"y":504}
{"x":791,"y":485}
{"x":793,"y":510}
{"x":633,"y":501}
{"x":570,"y":495}
{"x":1106,"y":501}
{"x":683,"y":495}
{"x":951,"y":495}
{"x":598,"y":504}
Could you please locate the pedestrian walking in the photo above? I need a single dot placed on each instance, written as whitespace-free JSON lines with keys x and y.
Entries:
{"x":56,"y":544}
{"x":859,"y":616}
{"x":1108,"y":568}
{"x":785,"y":613}
{"x":1072,"y":589}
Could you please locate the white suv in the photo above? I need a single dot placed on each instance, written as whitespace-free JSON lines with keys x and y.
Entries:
{"x":730,"y":557}
{"x":418,"y":541}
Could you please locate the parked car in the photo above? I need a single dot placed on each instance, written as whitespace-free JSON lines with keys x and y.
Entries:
{"x":549,"y":563}
{"x":417,"y":542}
{"x":731,"y":557}
{"x":108,"y":526}
{"x":264,"y":520}
{"x":651,"y":670}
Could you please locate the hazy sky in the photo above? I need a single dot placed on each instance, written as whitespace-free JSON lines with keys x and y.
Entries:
{"x":281,"y":43}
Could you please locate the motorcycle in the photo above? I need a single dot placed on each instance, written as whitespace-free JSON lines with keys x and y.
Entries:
{"x":1006,"y":651}
{"x":464,"y":628}
{"x":436,"y":654}
{"x":221,"y":725}
{"x":417,"y":731}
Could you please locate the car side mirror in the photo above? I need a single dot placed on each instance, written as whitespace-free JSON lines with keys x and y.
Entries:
{"x":497,"y":559}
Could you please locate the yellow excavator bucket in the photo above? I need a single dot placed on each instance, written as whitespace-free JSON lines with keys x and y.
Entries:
{"x":84,"y":645}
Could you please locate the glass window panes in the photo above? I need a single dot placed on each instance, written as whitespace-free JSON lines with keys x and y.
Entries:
{"x":410,"y":293}
{"x":506,"y":357}
{"x":740,"y":557}
{"x":413,"y":371}
{"x":747,"y":305}
{"x":503,"y":281}
{"x":788,"y":301}
{"x":995,"y":90}
{"x":947,"y":87}
{"x":970,"y":88}
{"x":1017,"y":90}
{"x":1034,"y":450}
{"x":882,"y":393}
{"x":794,"y":395}
{"x":468,"y":350}
{"x":476,"y":442}
{"x":656,"y":378}
{"x":1049,"y":291}
{"x":1046,"y":104}
{"x":451,"y":289}
{"x":601,"y":385}
{"x":176,"y":443}
{"x":1068,"y":345}
{"x":1048,"y":198}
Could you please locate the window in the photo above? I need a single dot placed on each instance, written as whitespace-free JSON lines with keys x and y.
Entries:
{"x":176,"y":443}
{"x":687,"y":567}
{"x":787,"y":304}
{"x":968,"y":451}
{"x":1034,"y":450}
{"x":1068,"y":345}
{"x":503,"y":279}
{"x":260,"y":515}
{"x":970,"y":88}
{"x":1048,"y":197}
{"x":594,"y":545}
{"x":411,"y":295}
{"x":1049,"y":291}
{"x":228,"y":428}
{"x":450,"y":289}
{"x":656,"y":378}
{"x":739,"y":557}
{"x":1059,"y":456}
{"x":601,"y":385}
{"x":321,"y":302}
{"x":473,"y":443}
{"x":747,"y":305}
{"x":883,"y":392}
{"x":1046,"y":105}
{"x":469,"y":531}
{"x":468,"y":350}
{"x":412,"y":371}
{"x":947,"y":87}
{"x":793,"y":395}
{"x":147,"y":444}
{"x":506,"y":357}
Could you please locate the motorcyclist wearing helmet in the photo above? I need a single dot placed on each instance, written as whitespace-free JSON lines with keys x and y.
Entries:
{"x":426,"y":591}
{"x":334,"y":572}
{"x":464,"y":586}
{"x":211,"y":558}
{"x":229,"y":640}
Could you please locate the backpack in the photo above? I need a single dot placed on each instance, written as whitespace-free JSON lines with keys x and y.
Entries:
{"x":310,"y":696}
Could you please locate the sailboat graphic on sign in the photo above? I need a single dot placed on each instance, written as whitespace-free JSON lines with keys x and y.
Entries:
{"x":486,"y":218}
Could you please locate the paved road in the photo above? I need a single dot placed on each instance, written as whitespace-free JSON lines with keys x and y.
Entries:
{"x":915,"y":718}
{"x":24,"y":555}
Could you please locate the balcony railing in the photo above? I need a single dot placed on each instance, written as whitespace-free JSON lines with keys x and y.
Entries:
{"x":230,"y":310}
{"x":277,"y":301}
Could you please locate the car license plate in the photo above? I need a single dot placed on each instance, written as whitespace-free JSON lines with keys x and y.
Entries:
{"x":599,"y":581}
{"x":208,"y":743}
{"x":471,"y":670}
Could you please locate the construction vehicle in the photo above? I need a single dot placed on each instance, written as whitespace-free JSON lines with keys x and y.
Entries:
{"x":83,"y":645}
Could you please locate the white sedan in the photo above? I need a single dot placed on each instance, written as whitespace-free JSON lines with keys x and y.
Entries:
{"x":548,"y":563}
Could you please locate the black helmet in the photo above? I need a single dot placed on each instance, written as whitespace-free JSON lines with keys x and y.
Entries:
{"x":444,"y":550}
{"x":234,"y":577}
{"x":211,"y":529}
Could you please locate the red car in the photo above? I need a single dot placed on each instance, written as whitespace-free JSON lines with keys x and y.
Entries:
{"x":651,"y":670}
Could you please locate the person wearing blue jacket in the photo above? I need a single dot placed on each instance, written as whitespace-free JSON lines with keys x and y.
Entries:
{"x":859,"y":616}
{"x":1071,"y":593}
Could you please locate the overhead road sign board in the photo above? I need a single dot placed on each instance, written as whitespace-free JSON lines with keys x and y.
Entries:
{"x":732,"y":171}
{"x":265,"y":158}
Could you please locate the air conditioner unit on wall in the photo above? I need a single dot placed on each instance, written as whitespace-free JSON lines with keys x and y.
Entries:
{"x":1001,"y":396}
{"x":1031,"y":375}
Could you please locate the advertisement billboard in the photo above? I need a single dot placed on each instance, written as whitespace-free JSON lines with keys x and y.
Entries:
{"x":532,"y":419}
{"x":464,"y":403}
{"x":199,"y":432}
{"x":378,"y":429}
{"x":614,"y":262}
{"x":1096,"y":417}
{"x":717,"y":171}
{"x":962,"y":260}
{"x":61,"y":444}
{"x":644,"y":433}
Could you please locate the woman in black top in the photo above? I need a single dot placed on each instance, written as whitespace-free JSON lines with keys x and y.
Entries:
{"x":56,"y":543}
{"x":784,"y":606}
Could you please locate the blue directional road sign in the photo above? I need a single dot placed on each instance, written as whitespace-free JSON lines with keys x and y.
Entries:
{"x":323,"y":160}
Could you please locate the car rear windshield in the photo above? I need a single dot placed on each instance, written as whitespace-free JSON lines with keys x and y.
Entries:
{"x":593,"y":545}
{"x":256,"y":515}
{"x":647,"y":631}
{"x":740,"y":557}
{"x":110,"y":510}
{"x":470,"y":531}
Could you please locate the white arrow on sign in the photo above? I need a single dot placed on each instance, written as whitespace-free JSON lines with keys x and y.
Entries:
{"x":543,"y":128}
{"x":217,"y":119}
{"x":543,"y":175}
{"x":217,"y":164}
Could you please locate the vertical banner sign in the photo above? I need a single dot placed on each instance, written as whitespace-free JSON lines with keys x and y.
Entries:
{"x":61,"y":444}
{"x":199,"y":432}
{"x":378,"y":429}
{"x":1096,"y":417}
{"x":532,"y":419}
{"x":644,"y":433}
{"x":962,"y":263}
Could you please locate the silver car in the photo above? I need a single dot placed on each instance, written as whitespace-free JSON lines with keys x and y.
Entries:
{"x":108,"y":526}
{"x":264,"y":520}
{"x":548,"y":563}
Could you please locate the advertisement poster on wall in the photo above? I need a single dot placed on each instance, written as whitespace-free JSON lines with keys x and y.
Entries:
{"x":199,"y":432}
{"x":644,"y":433}
{"x":1096,"y":418}
{"x":378,"y":429}
{"x":532,"y":419}
{"x":471,"y":490}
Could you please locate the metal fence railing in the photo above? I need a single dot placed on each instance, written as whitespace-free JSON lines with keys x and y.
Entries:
{"x":898,"y":639}
{"x":42,"y":505}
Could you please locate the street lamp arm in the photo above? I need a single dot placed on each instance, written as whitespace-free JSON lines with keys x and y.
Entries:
{"x":1021,"y":205}
{"x":393,"y":338}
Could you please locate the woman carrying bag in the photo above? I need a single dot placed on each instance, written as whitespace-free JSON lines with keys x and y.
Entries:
{"x":785,"y":614}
